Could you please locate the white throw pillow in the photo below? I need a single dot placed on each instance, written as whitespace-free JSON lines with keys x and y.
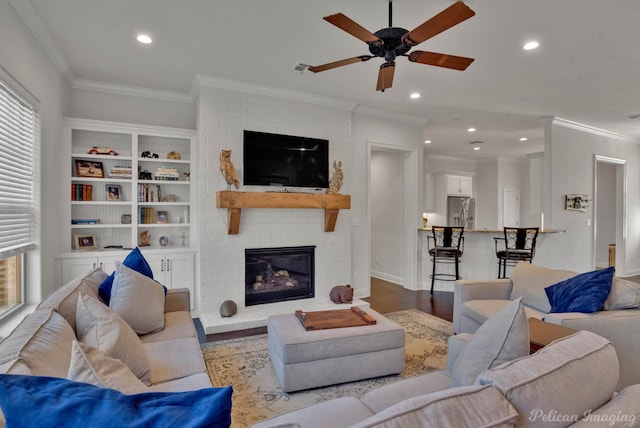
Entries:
{"x":139,"y":300}
{"x":503,"y":337}
{"x":468,"y":406}
{"x":95,"y":367}
{"x":100,"y":327}
{"x":624,"y":295}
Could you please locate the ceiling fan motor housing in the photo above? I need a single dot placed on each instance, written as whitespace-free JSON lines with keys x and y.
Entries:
{"x":392,"y":46}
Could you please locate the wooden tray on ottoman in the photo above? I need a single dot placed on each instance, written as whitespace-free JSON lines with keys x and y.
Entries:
{"x":321,"y":320}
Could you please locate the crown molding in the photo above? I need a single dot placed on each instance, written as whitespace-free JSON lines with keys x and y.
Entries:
{"x":385,"y":114}
{"x":33,"y":22}
{"x":590,"y":129}
{"x":201,"y":81}
{"x":134,"y":91}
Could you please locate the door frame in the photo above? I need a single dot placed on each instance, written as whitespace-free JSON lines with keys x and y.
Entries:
{"x":409,"y":210}
{"x":620,"y":210}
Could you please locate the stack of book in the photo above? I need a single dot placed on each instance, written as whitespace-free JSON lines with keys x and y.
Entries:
{"x":167,"y":173}
{"x":120,"y":172}
{"x":84,"y":221}
{"x":146,"y":215}
{"x":149,"y":193}
{"x":81,"y":192}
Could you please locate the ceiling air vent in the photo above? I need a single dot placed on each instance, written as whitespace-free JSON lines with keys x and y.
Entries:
{"x":300,"y":67}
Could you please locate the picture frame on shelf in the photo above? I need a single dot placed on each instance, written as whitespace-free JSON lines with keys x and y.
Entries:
{"x":85,"y":242}
{"x":163,"y":217}
{"x":112,"y":192}
{"x":89,"y":169}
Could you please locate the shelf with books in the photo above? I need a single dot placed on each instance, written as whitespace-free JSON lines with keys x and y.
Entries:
{"x":127,"y":183}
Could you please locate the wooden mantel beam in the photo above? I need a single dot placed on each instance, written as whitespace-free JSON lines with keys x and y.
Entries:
{"x":235,"y":201}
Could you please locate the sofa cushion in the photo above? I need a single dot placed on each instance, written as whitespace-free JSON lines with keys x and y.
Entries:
{"x":470,"y":406}
{"x":176,"y":325}
{"x":529,"y":282}
{"x":503,"y":337}
{"x":64,"y":300}
{"x":571,"y":376}
{"x":138,"y":299}
{"x":136,"y":261}
{"x":16,"y":366}
{"x":624,"y":295}
{"x":42,"y":341}
{"x":100,"y":327}
{"x":585,"y":292}
{"x":95,"y":367}
{"x":174,"y":359}
{"x":33,"y":401}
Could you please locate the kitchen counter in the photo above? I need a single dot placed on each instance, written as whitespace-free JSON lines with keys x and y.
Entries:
{"x":479,"y":259}
{"x":428,"y":229}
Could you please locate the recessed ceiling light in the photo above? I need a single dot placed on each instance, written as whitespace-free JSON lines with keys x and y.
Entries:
{"x":633,"y":116}
{"x":144,"y":38}
{"x":471,"y":130}
{"x":427,"y":141}
{"x":523,"y":139}
{"x":414,"y":96}
{"x":476,"y":148}
{"x":530,"y":45}
{"x":476,"y":144}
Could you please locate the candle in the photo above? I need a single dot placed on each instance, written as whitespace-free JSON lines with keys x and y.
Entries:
{"x":541,"y":221}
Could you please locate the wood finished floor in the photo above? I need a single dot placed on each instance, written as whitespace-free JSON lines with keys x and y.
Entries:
{"x":385,"y":297}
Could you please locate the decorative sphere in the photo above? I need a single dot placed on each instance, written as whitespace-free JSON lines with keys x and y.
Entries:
{"x":228,"y":308}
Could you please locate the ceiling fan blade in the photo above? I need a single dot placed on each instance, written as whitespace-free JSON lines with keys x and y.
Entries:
{"x":385,"y":76}
{"x":335,"y":64}
{"x":350,"y":26}
{"x":441,"y":60}
{"x":453,"y":15}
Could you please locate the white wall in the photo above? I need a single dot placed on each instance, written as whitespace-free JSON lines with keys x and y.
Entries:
{"x":569,"y":158}
{"x":22,"y":58}
{"x":222,"y":116}
{"x":100,"y":105}
{"x":367,"y":131}
{"x":387,"y":198}
{"x":487,"y":203}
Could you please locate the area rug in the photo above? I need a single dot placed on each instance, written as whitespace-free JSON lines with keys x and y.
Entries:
{"x":244,"y":363}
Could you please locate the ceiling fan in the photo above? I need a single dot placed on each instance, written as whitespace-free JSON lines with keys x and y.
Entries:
{"x":391,"y":42}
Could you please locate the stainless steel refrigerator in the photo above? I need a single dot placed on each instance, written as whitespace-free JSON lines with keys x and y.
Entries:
{"x":461,"y":211}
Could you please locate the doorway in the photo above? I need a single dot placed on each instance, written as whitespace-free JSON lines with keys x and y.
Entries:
{"x":609,"y":208}
{"x":511,"y":208}
{"x":404,"y":214}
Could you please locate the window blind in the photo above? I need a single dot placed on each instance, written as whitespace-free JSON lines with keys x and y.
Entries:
{"x":17,"y":199}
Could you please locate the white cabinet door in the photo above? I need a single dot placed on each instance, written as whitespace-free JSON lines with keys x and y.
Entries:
{"x":173,"y":270}
{"x":72,"y":268}
{"x":179,"y":272}
{"x":459,"y":185}
{"x":466,"y":186}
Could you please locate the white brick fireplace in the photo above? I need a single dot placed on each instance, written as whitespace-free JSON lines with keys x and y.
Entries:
{"x":223,"y":114}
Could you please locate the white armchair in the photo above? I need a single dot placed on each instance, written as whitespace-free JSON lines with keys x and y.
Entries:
{"x":477,"y":300}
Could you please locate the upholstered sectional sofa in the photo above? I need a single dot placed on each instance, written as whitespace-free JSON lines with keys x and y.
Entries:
{"x":475,"y":301}
{"x":74,"y":335}
{"x":568,"y":383}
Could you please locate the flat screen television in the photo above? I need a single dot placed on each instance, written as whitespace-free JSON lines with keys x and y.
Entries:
{"x":285,"y":160}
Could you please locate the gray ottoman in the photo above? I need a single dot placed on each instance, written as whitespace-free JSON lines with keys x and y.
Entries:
{"x":310,"y":359}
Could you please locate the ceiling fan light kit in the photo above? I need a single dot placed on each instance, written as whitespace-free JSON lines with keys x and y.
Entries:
{"x":392,"y":42}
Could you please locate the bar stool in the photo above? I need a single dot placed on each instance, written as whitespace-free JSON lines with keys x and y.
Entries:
{"x":447,"y":247}
{"x":519,"y":245}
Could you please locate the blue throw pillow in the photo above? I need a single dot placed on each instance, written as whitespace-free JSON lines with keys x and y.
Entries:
{"x":585,"y":292}
{"x":35,"y":401}
{"x":134,"y":260}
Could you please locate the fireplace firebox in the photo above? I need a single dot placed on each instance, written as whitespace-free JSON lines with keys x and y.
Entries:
{"x":279,"y":274}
